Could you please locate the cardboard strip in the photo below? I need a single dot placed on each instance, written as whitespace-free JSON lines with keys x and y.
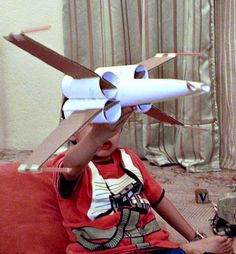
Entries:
{"x":189,"y":54}
{"x":191,"y":128}
{"x":163,"y":117}
{"x":161,"y":58}
{"x":35,"y":30}
{"x":57,"y":138}
{"x":58,"y":170}
{"x":54,"y":59}
{"x":154,"y":62}
{"x":36,"y":169}
{"x":170,"y":121}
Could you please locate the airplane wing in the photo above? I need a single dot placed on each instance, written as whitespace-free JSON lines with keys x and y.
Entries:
{"x":151,"y":63}
{"x":168,"y":120}
{"x":162,"y":117}
{"x":157,"y":60}
{"x":57,"y":138}
{"x":161,"y":58}
{"x":73,"y":123}
{"x":54,"y":59}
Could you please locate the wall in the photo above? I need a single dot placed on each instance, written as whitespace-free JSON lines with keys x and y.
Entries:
{"x":30,"y":92}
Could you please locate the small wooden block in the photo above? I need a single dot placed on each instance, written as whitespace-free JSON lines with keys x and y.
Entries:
{"x":202,"y":196}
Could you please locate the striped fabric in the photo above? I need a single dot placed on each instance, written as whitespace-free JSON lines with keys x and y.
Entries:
{"x":115,"y":32}
{"x":226,"y":79}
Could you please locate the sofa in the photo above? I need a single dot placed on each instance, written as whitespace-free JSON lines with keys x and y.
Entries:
{"x":30,"y":220}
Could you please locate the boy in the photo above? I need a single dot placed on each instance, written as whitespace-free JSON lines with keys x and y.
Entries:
{"x":107,"y":197}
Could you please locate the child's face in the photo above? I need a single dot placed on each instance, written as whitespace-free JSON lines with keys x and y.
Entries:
{"x":107,"y":148}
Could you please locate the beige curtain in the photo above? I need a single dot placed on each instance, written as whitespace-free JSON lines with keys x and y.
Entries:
{"x":226,"y":79}
{"x":115,"y":32}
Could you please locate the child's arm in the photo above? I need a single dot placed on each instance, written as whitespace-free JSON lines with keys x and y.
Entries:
{"x":171,"y":215}
{"x":79,"y":156}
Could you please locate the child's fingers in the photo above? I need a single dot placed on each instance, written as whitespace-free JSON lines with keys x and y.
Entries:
{"x":128,"y":110}
{"x":125,"y":115}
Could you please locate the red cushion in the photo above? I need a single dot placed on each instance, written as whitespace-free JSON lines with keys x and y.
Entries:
{"x":30,"y":220}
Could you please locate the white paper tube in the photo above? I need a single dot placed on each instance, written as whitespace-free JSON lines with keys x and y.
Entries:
{"x":81,"y":104}
{"x":143,"y":108}
{"x":112,"y":78}
{"x":72,"y":105}
{"x":125,"y":72}
{"x":111,"y":115}
{"x":144,"y":91}
{"x":109,"y":76}
{"x":88,"y":88}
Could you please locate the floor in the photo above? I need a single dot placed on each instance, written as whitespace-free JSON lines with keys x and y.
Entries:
{"x":180,"y":188}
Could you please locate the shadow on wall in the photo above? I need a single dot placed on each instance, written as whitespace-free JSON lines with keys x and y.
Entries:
{"x":3,"y":108}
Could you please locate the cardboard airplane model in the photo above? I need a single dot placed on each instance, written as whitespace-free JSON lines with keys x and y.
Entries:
{"x":99,"y":96}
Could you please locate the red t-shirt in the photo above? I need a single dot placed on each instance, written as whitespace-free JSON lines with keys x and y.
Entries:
{"x":89,"y":207}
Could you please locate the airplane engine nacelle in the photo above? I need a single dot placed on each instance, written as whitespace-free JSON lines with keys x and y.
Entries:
{"x":110,"y":115}
{"x":86,"y":88}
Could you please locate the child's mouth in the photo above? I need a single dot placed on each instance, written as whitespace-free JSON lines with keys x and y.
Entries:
{"x":106,"y":146}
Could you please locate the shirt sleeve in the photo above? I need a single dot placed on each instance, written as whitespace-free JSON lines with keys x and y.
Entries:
{"x":151,"y":187}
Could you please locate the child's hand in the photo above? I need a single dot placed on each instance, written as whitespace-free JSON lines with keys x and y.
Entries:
{"x":103,"y":132}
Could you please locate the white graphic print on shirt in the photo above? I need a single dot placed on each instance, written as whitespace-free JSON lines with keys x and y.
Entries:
{"x":100,"y":192}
